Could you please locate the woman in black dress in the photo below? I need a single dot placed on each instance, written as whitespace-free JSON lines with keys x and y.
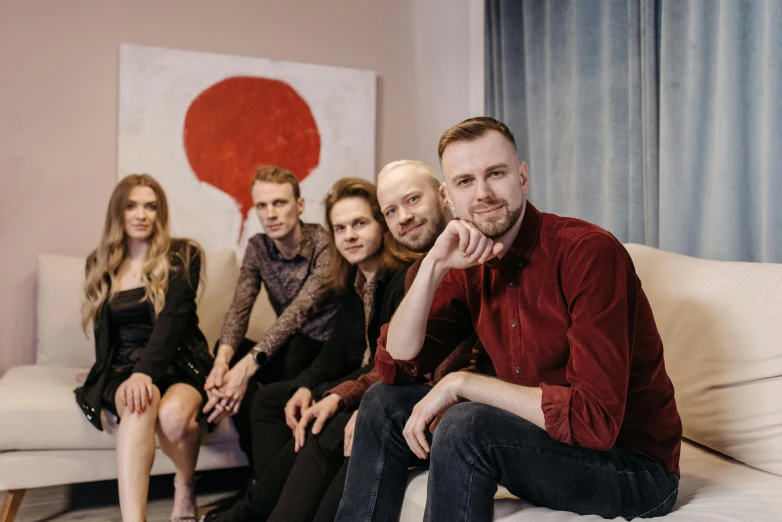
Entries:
{"x":151,"y":359}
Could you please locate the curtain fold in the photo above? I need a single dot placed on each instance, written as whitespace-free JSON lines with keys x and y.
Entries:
{"x":658,"y":120}
{"x":720,"y":132}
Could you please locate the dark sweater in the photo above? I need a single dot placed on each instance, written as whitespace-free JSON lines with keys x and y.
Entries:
{"x":340,"y":358}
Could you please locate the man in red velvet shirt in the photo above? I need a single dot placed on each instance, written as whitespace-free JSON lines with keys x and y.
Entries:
{"x":581,"y":416}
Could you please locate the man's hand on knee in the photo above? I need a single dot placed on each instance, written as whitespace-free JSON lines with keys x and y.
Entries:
{"x":436,"y":402}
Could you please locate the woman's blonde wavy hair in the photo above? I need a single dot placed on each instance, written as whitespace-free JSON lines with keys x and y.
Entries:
{"x":393,"y":255}
{"x":102,"y":264}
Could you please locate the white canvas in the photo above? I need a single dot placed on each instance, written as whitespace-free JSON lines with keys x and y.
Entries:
{"x":159,"y":86}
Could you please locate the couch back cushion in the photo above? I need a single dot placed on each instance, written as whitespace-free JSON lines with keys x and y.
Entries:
{"x":720,"y":324}
{"x":61,"y":341}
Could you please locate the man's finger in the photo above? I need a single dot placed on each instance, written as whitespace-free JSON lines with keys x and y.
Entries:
{"x":464,"y":237}
{"x":299,"y":436}
{"x":348,"y":446}
{"x":219,"y":378}
{"x":421,"y":436}
{"x":319,"y":422}
{"x":210,"y":404}
{"x":476,"y":254}
{"x":475,"y":239}
{"x":290,"y":420}
{"x":412,"y":441}
{"x":488,"y":252}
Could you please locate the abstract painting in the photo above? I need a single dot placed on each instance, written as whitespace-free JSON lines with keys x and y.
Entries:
{"x":200,"y":123}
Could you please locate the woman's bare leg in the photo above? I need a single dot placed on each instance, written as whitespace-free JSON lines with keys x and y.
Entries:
{"x":180,"y":439}
{"x":135,"y":454}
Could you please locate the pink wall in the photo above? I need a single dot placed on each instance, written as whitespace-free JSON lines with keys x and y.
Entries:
{"x":58,"y":102}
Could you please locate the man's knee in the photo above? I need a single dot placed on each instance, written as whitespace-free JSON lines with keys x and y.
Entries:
{"x":377,"y":398}
{"x":270,"y":400}
{"x":459,"y":430}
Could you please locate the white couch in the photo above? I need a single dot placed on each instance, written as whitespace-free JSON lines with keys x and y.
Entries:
{"x":723,"y":351}
{"x":44,"y":438}
{"x":721,"y":325}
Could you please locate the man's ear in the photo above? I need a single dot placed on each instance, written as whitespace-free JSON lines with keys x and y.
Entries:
{"x":442,"y":193}
{"x":300,"y":205}
{"x":524,"y":174}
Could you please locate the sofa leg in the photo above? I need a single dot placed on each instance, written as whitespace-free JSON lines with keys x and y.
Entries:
{"x":11,"y":504}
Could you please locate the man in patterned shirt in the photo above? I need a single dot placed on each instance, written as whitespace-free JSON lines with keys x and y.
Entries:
{"x":289,"y":259}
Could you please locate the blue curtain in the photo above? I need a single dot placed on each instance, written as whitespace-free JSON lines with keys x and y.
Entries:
{"x":656,"y":119}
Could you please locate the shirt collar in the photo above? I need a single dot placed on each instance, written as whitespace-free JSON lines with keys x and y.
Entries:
{"x":304,"y":251}
{"x":525,"y":241}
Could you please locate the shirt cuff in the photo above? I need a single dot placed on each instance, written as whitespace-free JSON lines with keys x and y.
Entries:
{"x":392,"y":371}
{"x":343,"y":405}
{"x":556,"y":412}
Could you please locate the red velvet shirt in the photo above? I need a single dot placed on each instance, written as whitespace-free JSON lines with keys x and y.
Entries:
{"x":563,"y":310}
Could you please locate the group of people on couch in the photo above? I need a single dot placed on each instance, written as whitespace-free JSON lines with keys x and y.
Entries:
{"x":506,"y":347}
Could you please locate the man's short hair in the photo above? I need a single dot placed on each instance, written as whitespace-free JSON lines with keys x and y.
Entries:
{"x":471,"y":130}
{"x":275,"y":174}
{"x":423,"y":168}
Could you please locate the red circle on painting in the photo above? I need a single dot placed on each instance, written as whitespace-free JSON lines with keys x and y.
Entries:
{"x":242,"y":122}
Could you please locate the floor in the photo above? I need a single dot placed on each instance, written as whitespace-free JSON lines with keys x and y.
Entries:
{"x":98,"y":501}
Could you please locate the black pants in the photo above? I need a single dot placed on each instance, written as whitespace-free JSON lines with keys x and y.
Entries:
{"x":288,"y":362}
{"x":290,"y":486}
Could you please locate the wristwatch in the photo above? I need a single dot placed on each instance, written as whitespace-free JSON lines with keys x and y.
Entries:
{"x":259,"y":356}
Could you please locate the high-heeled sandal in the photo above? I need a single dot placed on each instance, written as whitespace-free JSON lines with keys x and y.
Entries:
{"x":187,"y":518}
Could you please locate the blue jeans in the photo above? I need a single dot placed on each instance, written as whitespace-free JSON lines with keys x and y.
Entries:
{"x":478,"y":447}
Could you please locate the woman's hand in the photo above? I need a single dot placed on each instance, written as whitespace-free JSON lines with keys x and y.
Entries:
{"x":136,"y":392}
{"x":320,"y":412}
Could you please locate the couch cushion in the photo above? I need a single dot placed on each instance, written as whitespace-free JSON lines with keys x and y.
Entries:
{"x":712,"y":488}
{"x":719,"y":323}
{"x":39,"y":412}
{"x":61,"y":341}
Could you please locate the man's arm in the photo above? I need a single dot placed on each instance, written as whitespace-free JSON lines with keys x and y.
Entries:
{"x":432,"y":314}
{"x":407,"y":328}
{"x":520,"y":400}
{"x":523,"y":401}
{"x":294,"y":316}
{"x":248,"y":286}
{"x":601,"y":288}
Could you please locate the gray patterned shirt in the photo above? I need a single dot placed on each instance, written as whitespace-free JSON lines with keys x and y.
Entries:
{"x":295,"y":288}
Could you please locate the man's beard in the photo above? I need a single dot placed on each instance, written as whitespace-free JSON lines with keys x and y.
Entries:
{"x":496,"y":227}
{"x":425,"y":238}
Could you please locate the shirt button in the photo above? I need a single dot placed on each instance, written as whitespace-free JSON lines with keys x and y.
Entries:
{"x":517,"y":369}
{"x":411,"y":370}
{"x":513,"y":324}
{"x":510,"y":284}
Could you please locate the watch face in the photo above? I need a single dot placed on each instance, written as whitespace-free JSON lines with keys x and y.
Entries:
{"x":260,"y":358}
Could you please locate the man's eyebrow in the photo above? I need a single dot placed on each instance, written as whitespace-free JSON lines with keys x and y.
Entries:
{"x":496,"y":166}
{"x":460,"y":177}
